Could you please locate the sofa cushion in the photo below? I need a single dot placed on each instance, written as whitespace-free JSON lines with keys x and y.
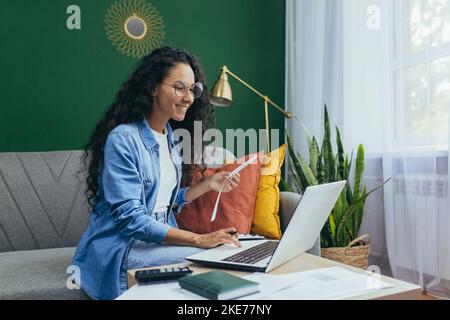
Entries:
{"x":42,"y":204}
{"x":235,"y":208}
{"x":37,"y":274}
{"x":266,"y":220}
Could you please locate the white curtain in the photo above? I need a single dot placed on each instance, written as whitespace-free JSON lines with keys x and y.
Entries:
{"x":382,"y":67}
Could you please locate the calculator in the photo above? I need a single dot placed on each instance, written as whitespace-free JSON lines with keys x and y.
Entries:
{"x":161,"y":274}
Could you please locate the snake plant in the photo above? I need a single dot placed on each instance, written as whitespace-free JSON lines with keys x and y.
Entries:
{"x":324,"y":166}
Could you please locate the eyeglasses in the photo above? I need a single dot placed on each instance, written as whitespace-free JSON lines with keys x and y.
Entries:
{"x":181,"y":88}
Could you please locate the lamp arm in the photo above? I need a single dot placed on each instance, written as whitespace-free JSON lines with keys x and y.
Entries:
{"x":286,"y":114}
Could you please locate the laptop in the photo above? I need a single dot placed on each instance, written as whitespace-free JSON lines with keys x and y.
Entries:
{"x":300,"y":235}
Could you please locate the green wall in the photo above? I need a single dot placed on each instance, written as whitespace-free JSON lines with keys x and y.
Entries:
{"x":55,"y":83}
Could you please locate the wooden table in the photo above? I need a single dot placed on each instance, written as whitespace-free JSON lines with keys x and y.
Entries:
{"x":402,"y":290}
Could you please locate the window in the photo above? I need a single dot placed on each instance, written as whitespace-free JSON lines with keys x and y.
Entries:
{"x":421,"y":71}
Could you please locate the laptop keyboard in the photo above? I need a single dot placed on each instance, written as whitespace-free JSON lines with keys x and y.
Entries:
{"x":254,"y":254}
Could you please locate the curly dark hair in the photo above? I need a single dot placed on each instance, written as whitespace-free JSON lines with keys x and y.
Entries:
{"x":134,"y":100}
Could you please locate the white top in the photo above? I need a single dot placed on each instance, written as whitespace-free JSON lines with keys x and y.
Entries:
{"x":168,"y":179}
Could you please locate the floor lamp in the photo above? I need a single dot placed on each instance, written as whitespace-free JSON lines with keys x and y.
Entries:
{"x":222,"y":96}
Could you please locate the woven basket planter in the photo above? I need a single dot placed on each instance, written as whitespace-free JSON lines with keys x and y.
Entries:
{"x":354,"y":256}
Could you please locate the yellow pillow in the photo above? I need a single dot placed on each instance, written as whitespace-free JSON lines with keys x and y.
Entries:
{"x":266,"y":220}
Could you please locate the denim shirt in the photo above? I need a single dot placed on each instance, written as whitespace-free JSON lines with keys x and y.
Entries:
{"x":129,"y":180}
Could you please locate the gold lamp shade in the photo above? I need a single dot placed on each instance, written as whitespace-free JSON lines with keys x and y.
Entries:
{"x":221,"y":94}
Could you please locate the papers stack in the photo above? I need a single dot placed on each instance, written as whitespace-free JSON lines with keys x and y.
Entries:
{"x":319,"y":284}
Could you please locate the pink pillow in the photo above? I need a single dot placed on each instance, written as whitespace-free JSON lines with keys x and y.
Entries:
{"x":235,"y":208}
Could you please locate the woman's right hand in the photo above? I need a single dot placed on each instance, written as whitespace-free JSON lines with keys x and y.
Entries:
{"x":213,"y":239}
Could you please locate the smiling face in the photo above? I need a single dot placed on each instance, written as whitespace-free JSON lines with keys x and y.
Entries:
{"x":166,"y":103}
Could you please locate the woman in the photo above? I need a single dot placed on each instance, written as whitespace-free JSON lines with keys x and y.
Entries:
{"x":134,"y":177}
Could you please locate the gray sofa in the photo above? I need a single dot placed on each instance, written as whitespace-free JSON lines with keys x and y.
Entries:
{"x":43,"y":214}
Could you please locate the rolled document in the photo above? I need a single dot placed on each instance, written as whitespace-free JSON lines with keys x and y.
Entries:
{"x":214,"y":213}
{"x":231,"y":174}
{"x":242,"y":166}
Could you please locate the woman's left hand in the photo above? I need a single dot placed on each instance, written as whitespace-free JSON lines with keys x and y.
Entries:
{"x":216,"y":180}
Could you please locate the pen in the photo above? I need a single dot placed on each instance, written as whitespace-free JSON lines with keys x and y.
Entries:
{"x":235,"y":233}
{"x":250,"y":237}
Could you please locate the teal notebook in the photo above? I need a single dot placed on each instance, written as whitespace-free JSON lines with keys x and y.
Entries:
{"x":218,"y":285}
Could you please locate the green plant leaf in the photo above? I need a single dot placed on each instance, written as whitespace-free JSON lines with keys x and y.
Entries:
{"x":359,"y":171}
{"x":359,"y":213}
{"x":340,"y":156}
{"x":350,"y":235}
{"x":338,"y":209}
{"x":309,"y":139}
{"x":336,"y":165}
{"x":343,"y":224}
{"x":349,"y":165}
{"x":357,"y":218}
{"x":327,"y":235}
{"x":320,"y":170}
{"x":340,"y":229}
{"x":285,"y":185}
{"x":295,"y":178}
{"x":313,"y":156}
{"x":349,"y":192}
{"x":296,"y":165}
{"x":327,"y":151}
{"x":309,"y":175}
{"x":332,"y":225}
{"x":346,"y":166}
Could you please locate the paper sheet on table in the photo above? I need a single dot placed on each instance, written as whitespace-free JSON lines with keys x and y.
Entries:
{"x":318,"y":284}
{"x":232,"y":173}
{"x":161,"y":291}
{"x":172,"y":291}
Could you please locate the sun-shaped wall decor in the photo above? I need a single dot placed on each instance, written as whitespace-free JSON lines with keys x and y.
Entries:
{"x":134,"y":27}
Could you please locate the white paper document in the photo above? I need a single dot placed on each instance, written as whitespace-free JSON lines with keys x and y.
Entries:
{"x":242,"y":166}
{"x":319,"y":284}
{"x":230,"y":175}
{"x":161,"y":291}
